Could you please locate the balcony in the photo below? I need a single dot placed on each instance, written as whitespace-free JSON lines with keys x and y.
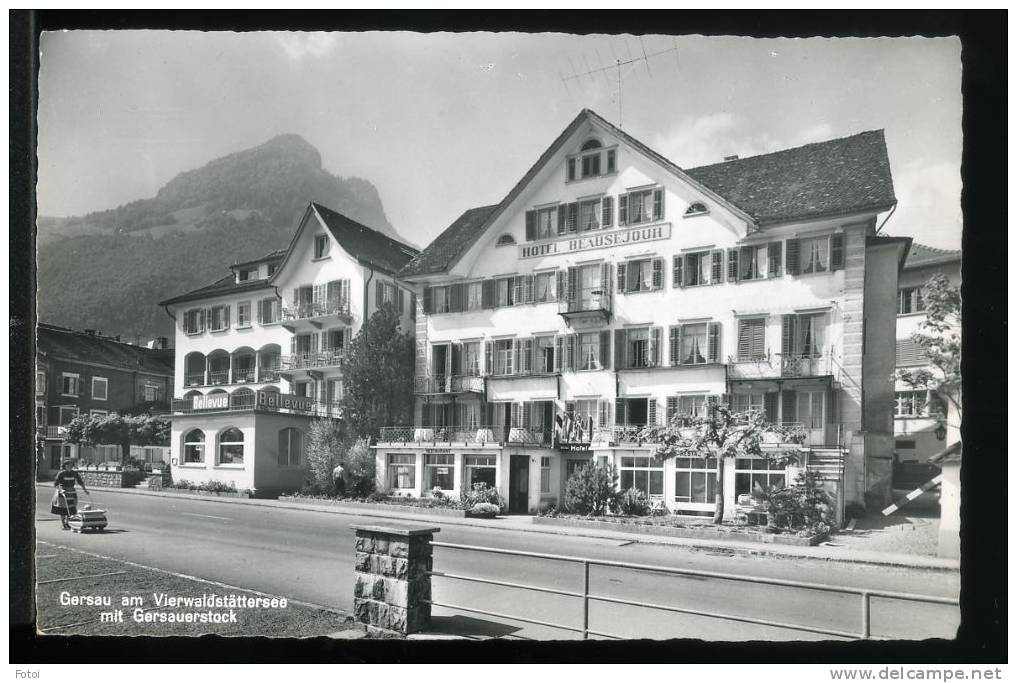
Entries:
{"x":55,"y":431}
{"x":217,"y":377}
{"x":814,"y":365}
{"x":194,"y":379}
{"x":236,"y":376}
{"x":314,"y":312}
{"x":448,"y":384}
{"x":776,"y":366}
{"x":467,"y":436}
{"x":326,"y":358}
{"x":586,"y":304}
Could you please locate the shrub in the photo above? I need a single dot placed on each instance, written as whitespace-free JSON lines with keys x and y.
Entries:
{"x":324,"y":446}
{"x":803,"y":507}
{"x":359,"y":466}
{"x":591,"y":490}
{"x":378,"y":496}
{"x":481,"y":493}
{"x":634,"y":502}
{"x":484,"y":510}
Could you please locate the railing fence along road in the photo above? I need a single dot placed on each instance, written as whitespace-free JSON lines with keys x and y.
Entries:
{"x":865,"y":595}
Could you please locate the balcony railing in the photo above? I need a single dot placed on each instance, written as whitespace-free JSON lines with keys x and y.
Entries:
{"x":798,"y":365}
{"x":780,"y":365}
{"x":448,"y":384}
{"x":244,"y":375}
{"x":269,"y":374}
{"x":194,"y":379}
{"x":316,"y":309}
{"x":248,"y":402}
{"x":216,"y":377}
{"x":326,"y":358}
{"x":580,"y":300}
{"x":480,"y":435}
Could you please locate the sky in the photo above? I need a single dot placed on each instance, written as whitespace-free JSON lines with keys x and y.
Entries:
{"x":443,"y":122}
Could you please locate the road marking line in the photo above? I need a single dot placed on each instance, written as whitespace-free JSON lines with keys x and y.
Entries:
{"x":302,"y":603}
{"x":76,"y":578}
{"x":195,"y":514}
{"x":45,"y":557}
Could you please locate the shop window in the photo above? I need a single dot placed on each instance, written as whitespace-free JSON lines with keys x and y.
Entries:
{"x":402,"y":471}
{"x":438,"y":469}
{"x":643,"y":473}
{"x":695,"y":480}
{"x":480,"y":469}
{"x":194,"y":447}
{"x":291,"y":444}
{"x":545,"y":474}
{"x":231,"y":447}
{"x":758,"y":476}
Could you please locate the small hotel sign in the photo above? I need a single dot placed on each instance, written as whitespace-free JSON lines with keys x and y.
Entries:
{"x":213,"y":402}
{"x":601,"y":240}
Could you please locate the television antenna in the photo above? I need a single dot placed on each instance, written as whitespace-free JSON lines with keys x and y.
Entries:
{"x":620,"y":61}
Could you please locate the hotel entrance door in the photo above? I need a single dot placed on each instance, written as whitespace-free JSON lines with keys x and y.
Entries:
{"x":519,"y":483}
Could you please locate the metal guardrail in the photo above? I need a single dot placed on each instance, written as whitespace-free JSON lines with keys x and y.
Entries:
{"x":316,"y":309}
{"x":448,"y":384}
{"x":481,"y":435}
{"x":586,"y":300}
{"x":865,"y":631}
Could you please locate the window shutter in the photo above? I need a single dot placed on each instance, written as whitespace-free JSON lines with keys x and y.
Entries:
{"x":526,"y":410}
{"x":671,"y":409}
{"x":770,"y":406}
{"x":658,"y":204}
{"x":573,"y":290}
{"x":732,"y":265}
{"x":488,"y":358}
{"x":603,"y":417}
{"x":456,"y":359}
{"x":314,"y":343}
{"x":606,"y":212}
{"x":674,"y":344}
{"x":400,"y":300}
{"x":379,"y":293}
{"x":559,"y":352}
{"x":487,"y":294}
{"x":293,"y":346}
{"x":790,"y":407}
{"x":572,"y":222}
{"x":837,"y":251}
{"x":773,"y":259}
{"x":658,"y":273}
{"x":619,"y":349}
{"x":517,"y":347}
{"x":713,"y":342}
{"x":605,"y":278}
{"x":621,"y":416}
{"x":758,"y":342}
{"x":744,"y":339}
{"x":651,"y":411}
{"x":621,"y":278}
{"x":561,"y":288}
{"x":570,"y":352}
{"x":428,"y":300}
{"x":517,"y":289}
{"x":528,"y":348}
{"x":676,"y":271}
{"x":570,"y":166}
{"x":716,"y":266}
{"x":787,"y":335}
{"x":561,"y":219}
{"x":623,"y":209}
{"x":791,"y":262}
{"x":605,"y":349}
{"x":531,"y":226}
{"x":656,"y":333}
{"x":528,"y":289}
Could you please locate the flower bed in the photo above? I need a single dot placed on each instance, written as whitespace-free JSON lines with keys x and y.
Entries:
{"x":417,"y":505}
{"x":211,"y":488}
{"x":673,"y":528}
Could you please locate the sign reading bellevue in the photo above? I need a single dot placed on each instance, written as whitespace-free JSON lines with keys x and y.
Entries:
{"x":211,"y":402}
{"x":600,"y":240}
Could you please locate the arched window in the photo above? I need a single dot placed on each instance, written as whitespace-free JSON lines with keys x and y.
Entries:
{"x":291,"y":447}
{"x":231,"y":446}
{"x":505,"y":239}
{"x":242,"y":398}
{"x":194,"y":446}
{"x":592,"y":143}
{"x":696,"y":208}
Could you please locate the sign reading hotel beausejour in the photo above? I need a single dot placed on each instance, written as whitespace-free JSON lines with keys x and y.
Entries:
{"x":597,"y":240}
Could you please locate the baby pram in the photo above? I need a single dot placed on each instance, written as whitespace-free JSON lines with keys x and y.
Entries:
{"x":87,"y":519}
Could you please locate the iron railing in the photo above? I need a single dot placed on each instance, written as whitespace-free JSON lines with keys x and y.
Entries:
{"x":218,"y":377}
{"x":804,"y":365}
{"x":244,"y":375}
{"x":194,"y":379}
{"x":586,"y":300}
{"x":780,"y":365}
{"x":479,"y":435}
{"x":326,"y":358}
{"x":865,"y":595}
{"x":316,"y":309}
{"x":448,"y":384}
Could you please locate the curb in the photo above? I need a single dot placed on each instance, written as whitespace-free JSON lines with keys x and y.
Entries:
{"x":870,"y":558}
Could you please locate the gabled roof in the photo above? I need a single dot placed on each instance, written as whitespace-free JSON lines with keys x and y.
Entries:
{"x":922,"y":255}
{"x":227,"y":284}
{"x":67,"y":344}
{"x":368,"y":246}
{"x":271,"y":257}
{"x":835,"y":177}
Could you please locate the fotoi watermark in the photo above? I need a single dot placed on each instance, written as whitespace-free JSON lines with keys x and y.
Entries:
{"x":165,"y":608}
{"x":917,"y":673}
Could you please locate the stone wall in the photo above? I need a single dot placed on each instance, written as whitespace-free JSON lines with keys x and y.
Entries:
{"x":112,"y":479}
{"x":392,"y":587}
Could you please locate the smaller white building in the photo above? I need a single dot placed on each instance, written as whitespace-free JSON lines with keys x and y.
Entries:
{"x":259,"y":353}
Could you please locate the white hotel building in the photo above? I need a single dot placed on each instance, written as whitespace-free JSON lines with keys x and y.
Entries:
{"x":610,"y":289}
{"x":259,"y":352}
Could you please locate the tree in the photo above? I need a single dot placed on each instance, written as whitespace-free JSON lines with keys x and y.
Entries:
{"x":939,"y":336}
{"x":723,"y":435}
{"x":360,"y":468}
{"x":122,"y":430}
{"x":591,"y":490}
{"x":326,"y":444}
{"x":378,"y":375}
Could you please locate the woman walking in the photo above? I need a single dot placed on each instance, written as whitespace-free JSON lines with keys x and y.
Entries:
{"x":65,"y":498}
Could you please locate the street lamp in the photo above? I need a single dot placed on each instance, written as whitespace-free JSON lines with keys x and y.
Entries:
{"x":940,"y":431}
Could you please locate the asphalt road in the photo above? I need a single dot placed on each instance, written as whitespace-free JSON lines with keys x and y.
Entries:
{"x":308,"y":555}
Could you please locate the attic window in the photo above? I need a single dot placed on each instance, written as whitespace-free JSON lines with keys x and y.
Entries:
{"x":591,"y":161}
{"x":592,"y":143}
{"x":696,"y":209}
{"x":505,"y":239}
{"x":320,"y":246}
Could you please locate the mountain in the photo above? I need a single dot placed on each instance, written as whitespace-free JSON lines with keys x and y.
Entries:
{"x":108,"y":269}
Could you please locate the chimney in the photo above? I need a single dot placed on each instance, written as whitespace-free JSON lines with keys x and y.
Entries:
{"x":733,"y":157}
{"x":90,"y":333}
{"x":117,"y":337}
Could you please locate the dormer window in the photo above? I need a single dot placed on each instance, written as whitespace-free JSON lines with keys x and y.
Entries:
{"x":504,"y":240}
{"x":696,"y":209}
{"x":247,"y":274}
{"x":320,"y":246}
{"x":591,"y":161}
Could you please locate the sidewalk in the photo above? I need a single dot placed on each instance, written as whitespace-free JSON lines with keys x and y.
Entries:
{"x":524,"y":523}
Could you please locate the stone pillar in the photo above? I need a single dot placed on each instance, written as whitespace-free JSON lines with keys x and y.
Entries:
{"x":391,"y":581}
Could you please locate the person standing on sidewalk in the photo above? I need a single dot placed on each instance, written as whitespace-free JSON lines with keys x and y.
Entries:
{"x":65,"y":498}
{"x":337,"y":479}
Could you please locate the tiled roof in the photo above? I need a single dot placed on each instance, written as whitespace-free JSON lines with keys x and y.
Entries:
{"x":274,"y":256}
{"x":66,"y":344}
{"x":227,"y":284}
{"x":922,"y":255}
{"x":442,"y":252}
{"x":846,"y":175}
{"x":842,"y":176}
{"x":364,"y":244}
